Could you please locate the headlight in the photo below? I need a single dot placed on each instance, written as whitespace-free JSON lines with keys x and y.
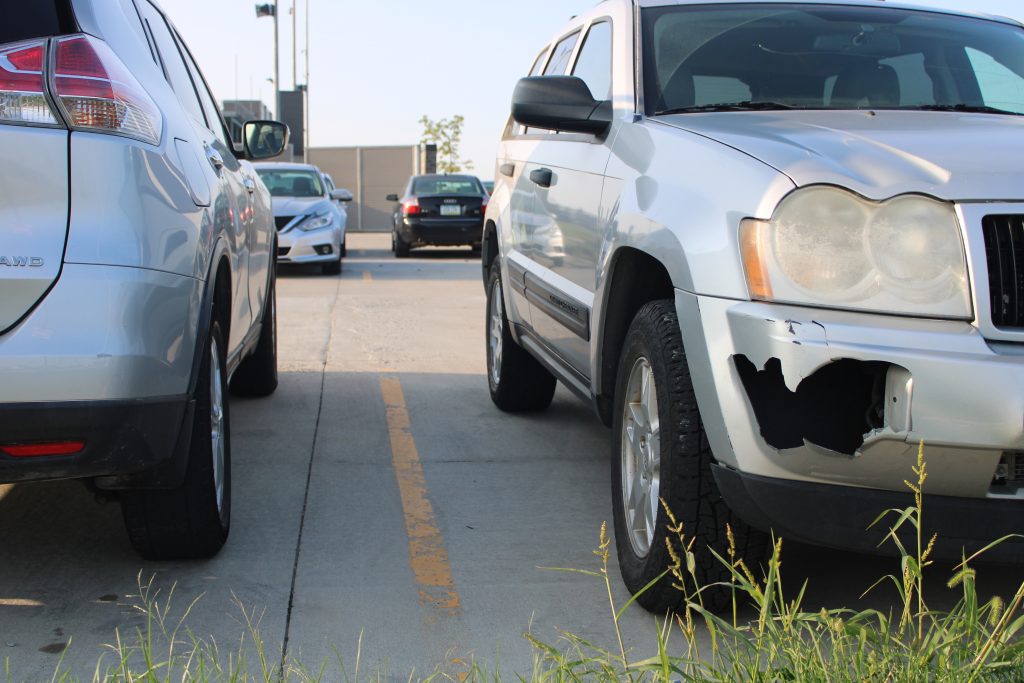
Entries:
{"x":829,"y":247}
{"x":315,"y":222}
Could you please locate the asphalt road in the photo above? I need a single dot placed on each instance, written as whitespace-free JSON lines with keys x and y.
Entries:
{"x":382,"y":506}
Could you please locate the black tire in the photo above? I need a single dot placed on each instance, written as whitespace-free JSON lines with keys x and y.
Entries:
{"x":331,"y":267}
{"x":344,"y":247}
{"x":188,"y":522}
{"x":401,"y":246}
{"x":257,"y":375}
{"x":517,"y":381}
{"x":687,"y":485}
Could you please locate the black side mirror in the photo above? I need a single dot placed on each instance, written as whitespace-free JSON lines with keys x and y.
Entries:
{"x":264,"y":139}
{"x":560,"y":103}
{"x":392,"y":197}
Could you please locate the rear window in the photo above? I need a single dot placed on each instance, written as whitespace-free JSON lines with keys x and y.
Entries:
{"x":292,"y":183}
{"x":35,"y":19}
{"x":422,"y":186}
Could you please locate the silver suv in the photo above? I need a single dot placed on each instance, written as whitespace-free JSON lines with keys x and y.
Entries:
{"x":137,"y":268}
{"x":776,"y":245}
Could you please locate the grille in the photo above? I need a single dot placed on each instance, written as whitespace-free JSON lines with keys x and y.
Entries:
{"x":1010,"y":471}
{"x":282,"y":221}
{"x":1004,"y":250}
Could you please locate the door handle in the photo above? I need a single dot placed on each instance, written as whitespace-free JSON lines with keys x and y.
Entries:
{"x":508,"y":170}
{"x":542,"y":177}
{"x":250,"y":185}
{"x":216,"y":160}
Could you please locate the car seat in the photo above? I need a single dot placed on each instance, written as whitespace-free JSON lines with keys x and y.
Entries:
{"x":866,"y":85}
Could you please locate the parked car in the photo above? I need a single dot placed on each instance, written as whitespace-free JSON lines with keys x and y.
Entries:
{"x":137,"y":268}
{"x":341,"y":198}
{"x":438,"y":210}
{"x":787,"y":252}
{"x":489,"y":186}
{"x":310,"y":226}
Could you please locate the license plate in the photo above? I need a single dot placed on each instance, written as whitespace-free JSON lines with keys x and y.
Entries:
{"x":451,"y":210}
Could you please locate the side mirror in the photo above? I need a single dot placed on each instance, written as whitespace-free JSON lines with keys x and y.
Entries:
{"x":341,"y":195}
{"x":264,"y":139}
{"x":392,"y":197}
{"x":560,"y":103}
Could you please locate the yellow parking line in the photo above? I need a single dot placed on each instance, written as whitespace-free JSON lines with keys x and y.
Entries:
{"x":428,"y":557}
{"x":367,"y":276}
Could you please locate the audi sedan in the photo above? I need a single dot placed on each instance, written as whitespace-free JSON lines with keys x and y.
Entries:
{"x":438,"y":210}
{"x":310,"y":226}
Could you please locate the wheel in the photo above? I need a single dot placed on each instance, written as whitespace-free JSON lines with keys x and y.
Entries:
{"x":344,"y":247}
{"x":660,"y":452}
{"x":401,"y":247}
{"x":332,"y":267}
{"x":517,"y":381}
{"x":192,"y":520}
{"x":257,"y":375}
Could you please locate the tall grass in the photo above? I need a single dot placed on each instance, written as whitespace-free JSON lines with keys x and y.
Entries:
{"x":975,"y":640}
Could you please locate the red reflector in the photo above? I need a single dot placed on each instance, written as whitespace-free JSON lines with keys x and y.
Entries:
{"x":32,"y":450}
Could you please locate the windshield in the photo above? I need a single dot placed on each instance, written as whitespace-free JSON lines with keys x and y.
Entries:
{"x":446,"y":185}
{"x":289,"y":183}
{"x":791,"y":56}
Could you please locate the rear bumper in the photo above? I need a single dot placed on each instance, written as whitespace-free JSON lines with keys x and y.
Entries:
{"x":128,"y":444}
{"x":842,"y":516}
{"x":442,"y":232}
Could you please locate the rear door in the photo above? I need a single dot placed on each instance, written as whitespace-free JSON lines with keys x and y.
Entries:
{"x":223,"y":171}
{"x":34,"y":165}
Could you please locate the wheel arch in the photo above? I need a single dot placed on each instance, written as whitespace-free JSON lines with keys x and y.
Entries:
{"x":634,"y":279}
{"x":488,"y":249}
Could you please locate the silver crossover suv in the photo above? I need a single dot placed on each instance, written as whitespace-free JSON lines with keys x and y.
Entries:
{"x":308,"y":213}
{"x":776,"y":245}
{"x":137,"y":268}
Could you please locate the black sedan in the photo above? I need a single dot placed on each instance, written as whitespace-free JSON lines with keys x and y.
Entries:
{"x":438,"y":210}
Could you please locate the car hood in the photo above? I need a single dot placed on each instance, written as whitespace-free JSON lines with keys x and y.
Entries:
{"x":295,"y":206}
{"x":879,"y":154}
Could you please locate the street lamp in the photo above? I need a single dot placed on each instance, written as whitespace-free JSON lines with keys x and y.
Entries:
{"x":270,"y":10}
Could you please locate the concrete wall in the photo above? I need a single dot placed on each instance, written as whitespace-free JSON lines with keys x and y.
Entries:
{"x":370,"y":173}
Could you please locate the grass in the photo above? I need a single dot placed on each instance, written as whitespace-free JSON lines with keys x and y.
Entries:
{"x":974,"y":641}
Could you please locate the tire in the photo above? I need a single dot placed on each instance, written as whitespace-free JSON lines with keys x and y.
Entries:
{"x":401,"y":246}
{"x":257,"y":375}
{"x":681,"y":458}
{"x":332,"y":267}
{"x":344,"y":247}
{"x":517,"y":381}
{"x":193,"y":520}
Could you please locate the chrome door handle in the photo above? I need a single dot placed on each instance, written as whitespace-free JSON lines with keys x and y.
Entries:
{"x":250,"y":185}
{"x":216,"y":160}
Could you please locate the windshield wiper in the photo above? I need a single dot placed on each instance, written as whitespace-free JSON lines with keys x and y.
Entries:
{"x":964,"y":108}
{"x":760,"y":105}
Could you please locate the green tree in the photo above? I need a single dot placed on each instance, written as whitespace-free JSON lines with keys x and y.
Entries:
{"x":447,"y":135}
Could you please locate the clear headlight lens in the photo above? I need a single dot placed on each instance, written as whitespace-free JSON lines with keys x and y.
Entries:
{"x":316,"y":222}
{"x":829,"y":247}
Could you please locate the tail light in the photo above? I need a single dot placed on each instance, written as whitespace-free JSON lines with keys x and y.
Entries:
{"x":411,"y":207}
{"x":23,"y":85}
{"x":483,"y":207}
{"x":95,"y":91}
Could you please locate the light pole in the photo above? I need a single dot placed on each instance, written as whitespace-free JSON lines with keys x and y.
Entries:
{"x":268,"y":10}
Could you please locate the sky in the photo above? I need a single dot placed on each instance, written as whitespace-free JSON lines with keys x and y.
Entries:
{"x":377,"y":66}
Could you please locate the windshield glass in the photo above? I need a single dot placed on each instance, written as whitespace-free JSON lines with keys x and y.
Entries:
{"x":791,"y":56}
{"x":289,"y":183}
{"x":446,"y":185}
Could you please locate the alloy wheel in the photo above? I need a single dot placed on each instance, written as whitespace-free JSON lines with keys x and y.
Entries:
{"x":217,"y":425}
{"x":496,"y":329}
{"x":641,"y":456}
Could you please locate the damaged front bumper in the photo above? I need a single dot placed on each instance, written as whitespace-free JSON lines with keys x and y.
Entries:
{"x":842,"y":398}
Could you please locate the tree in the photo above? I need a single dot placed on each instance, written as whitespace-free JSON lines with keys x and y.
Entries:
{"x":447,"y":135}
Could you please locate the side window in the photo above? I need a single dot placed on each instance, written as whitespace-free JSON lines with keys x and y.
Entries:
{"x":177,"y":72}
{"x":1000,"y":87}
{"x":538,"y":64}
{"x":560,"y":57}
{"x":213,"y":117}
{"x":594,"y":64}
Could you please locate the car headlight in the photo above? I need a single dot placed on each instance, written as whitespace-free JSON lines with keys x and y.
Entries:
{"x":829,"y":247}
{"x":315,"y":221}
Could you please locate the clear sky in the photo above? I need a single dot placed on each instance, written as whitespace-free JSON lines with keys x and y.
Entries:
{"x":377,"y":66}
